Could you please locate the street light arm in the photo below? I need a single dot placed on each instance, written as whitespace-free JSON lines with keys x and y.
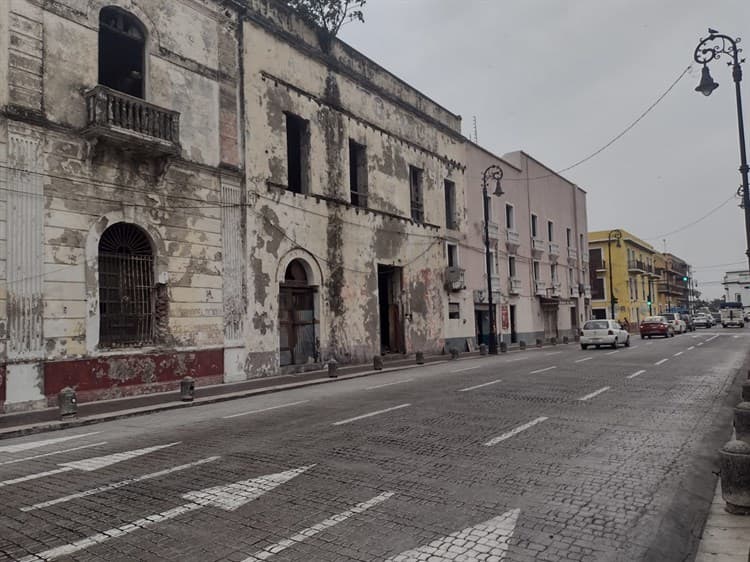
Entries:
{"x":715,"y":45}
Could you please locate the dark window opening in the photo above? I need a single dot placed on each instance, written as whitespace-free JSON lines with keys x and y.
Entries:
{"x":126,"y":287}
{"x":550,"y":231}
{"x":534,"y":226}
{"x":358,"y":173}
{"x":454,"y":310}
{"x":511,"y":266}
{"x":597,"y":289}
{"x":510,"y":219}
{"x":122,"y":42}
{"x":452,"y":255}
{"x":298,"y":150}
{"x":415,"y":185}
{"x":450,"y":205}
{"x":595,"y":259}
{"x":568,"y":238}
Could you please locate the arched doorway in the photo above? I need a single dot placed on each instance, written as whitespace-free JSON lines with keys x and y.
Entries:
{"x":297,"y":318}
{"x":126,"y":287}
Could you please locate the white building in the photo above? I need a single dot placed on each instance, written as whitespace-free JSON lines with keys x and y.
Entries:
{"x":737,"y":287}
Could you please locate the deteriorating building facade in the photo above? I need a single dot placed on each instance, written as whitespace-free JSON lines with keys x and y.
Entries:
{"x":120,"y":178}
{"x":354,"y":180}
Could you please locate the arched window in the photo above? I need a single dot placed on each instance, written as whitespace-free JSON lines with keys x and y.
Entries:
{"x":122,"y":42}
{"x":126,"y":287}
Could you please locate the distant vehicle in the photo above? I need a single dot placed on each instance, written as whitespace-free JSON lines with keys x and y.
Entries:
{"x":732,"y":314}
{"x":656,"y":326}
{"x":688,"y":322}
{"x":717,"y":317}
{"x":603,"y":332}
{"x":703,"y":321}
{"x":677,"y":323}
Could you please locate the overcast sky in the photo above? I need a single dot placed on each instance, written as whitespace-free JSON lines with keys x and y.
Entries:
{"x":558,"y":79}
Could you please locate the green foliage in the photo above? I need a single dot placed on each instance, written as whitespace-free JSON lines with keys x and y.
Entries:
{"x":329,"y":15}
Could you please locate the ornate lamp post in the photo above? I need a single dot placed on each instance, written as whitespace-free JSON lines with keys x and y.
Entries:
{"x":617,"y":236}
{"x":492,"y":173}
{"x":710,"y":49}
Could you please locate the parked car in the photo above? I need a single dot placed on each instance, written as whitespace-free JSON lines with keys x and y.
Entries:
{"x":717,"y":317}
{"x":677,"y":323}
{"x":689,"y":325}
{"x":656,"y":326}
{"x":604,"y":332}
{"x":703,"y":321}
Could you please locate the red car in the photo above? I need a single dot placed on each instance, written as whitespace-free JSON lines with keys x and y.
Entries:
{"x":656,"y":326}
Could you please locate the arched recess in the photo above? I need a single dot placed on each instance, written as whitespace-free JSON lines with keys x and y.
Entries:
{"x":94,"y":238}
{"x":299,"y":305}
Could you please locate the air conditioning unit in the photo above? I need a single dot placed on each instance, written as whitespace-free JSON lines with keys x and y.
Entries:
{"x":454,"y":278}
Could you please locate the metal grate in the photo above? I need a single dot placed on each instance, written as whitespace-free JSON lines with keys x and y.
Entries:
{"x":126,"y":287}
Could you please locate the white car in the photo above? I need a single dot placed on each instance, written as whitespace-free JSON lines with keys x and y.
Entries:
{"x":676,"y":322}
{"x":604,"y":332}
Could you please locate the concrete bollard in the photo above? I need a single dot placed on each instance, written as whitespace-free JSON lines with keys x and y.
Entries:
{"x":187,"y":389}
{"x":420,"y":358}
{"x":553,"y":341}
{"x":522,"y":345}
{"x":377,"y":363}
{"x":742,"y":421}
{"x":734,"y":466}
{"x":746,"y":391}
{"x":538,"y":342}
{"x":332,"y":368}
{"x":483,"y":349}
{"x":503,"y":347}
{"x":454,"y":353}
{"x":67,"y":402}
{"x":566,"y":340}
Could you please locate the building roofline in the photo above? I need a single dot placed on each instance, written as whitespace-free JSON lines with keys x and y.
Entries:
{"x":552,"y":172}
{"x":488,"y":152}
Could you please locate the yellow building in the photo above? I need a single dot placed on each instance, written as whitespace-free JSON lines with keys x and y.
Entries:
{"x":622,"y":275}
{"x":673,"y":289}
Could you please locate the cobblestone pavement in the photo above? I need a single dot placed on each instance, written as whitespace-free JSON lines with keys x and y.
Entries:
{"x":541,"y":455}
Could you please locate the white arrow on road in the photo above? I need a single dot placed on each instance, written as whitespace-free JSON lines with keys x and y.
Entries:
{"x":90,"y":464}
{"x":489,"y":539}
{"x":229,"y":497}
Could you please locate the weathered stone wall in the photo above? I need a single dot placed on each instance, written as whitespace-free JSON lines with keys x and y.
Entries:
{"x":286,"y":71}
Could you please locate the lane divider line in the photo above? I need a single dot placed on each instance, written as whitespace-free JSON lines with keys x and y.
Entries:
{"x":543,"y":370}
{"x":691,"y":348}
{"x":700,"y":343}
{"x":480,"y":386}
{"x":636,"y":374}
{"x":516,"y":431}
{"x":613,"y":352}
{"x":661,"y":362}
{"x":265,"y":409}
{"x":595,"y":393}
{"x":371,"y":414}
{"x":584,"y":359}
{"x":467,"y":369}
{"x":677,"y":354}
{"x":59,"y":452}
{"x":387,"y":384}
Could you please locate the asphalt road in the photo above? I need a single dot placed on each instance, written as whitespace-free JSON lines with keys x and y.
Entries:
{"x":551,"y":454}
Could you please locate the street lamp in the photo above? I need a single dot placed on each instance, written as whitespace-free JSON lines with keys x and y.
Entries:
{"x":709,"y":49}
{"x":617,"y":236}
{"x":492,"y":173}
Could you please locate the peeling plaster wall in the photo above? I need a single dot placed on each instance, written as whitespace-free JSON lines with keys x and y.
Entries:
{"x":50,"y":59}
{"x":399,"y":127}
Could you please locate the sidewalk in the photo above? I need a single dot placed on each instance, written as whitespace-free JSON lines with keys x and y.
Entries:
{"x":48,"y":419}
{"x":726,"y":537}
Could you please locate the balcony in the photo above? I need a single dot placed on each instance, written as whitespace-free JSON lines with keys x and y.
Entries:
{"x":585,"y":257}
{"x":587,"y":291}
{"x":514,"y":286}
{"x":554,"y":251}
{"x":131,"y":123}
{"x":637,"y":266}
{"x":494,"y":230}
{"x":454,"y":279}
{"x":540,"y":288}
{"x":480,"y":296}
{"x":572,"y":256}
{"x":555,"y":290}
{"x":599,"y":266}
{"x":537,"y":247}
{"x":513,"y":240}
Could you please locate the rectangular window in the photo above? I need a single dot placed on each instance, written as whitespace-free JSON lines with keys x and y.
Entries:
{"x":568,"y":237}
{"x":452,"y":250}
{"x":534,"y":226}
{"x":415,"y":188}
{"x":358,"y":173}
{"x":597,"y":289}
{"x":553,"y":272}
{"x":595,"y":258}
{"x":536,"y":270}
{"x":570,"y":277}
{"x":511,"y":266}
{"x":298,"y":153}
{"x":510,"y":217}
{"x":454,"y":310}
{"x":450,"y":205}
{"x":580,"y":241}
{"x":493,"y":264}
{"x":550,"y":231}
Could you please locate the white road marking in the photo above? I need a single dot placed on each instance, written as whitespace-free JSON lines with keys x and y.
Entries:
{"x":595,"y":393}
{"x":44,"y":442}
{"x":735,"y":337}
{"x":363,"y":416}
{"x":518,"y":359}
{"x":58,"y":452}
{"x":542,"y":370}
{"x":612,"y":352}
{"x":700,"y":343}
{"x":228,"y":498}
{"x":120,"y":484}
{"x":661,"y":361}
{"x":584,"y":359}
{"x":265,"y":409}
{"x":677,"y":354}
{"x":305,"y":534}
{"x":650,"y":343}
{"x":636,"y":374}
{"x":90,"y":464}
{"x":480,"y":386}
{"x":467,"y":369}
{"x":388,"y":384}
{"x":712,"y":338}
{"x":691,"y":348}
{"x":552,"y":353}
{"x":486,"y":541}
{"x":516,"y":431}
